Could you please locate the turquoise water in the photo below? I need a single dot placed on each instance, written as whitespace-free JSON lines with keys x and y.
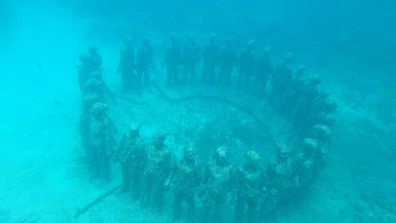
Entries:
{"x":349,"y":45}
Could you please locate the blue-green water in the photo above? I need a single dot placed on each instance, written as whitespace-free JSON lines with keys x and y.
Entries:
{"x":349,"y":45}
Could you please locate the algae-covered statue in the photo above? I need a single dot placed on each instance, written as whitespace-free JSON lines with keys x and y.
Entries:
{"x":126,"y":67}
{"x":264,"y":70}
{"x":90,"y":62}
{"x":172,"y":62}
{"x":185,"y":181}
{"x":247,"y":66}
{"x":217,"y":184}
{"x":144,"y":63}
{"x":131,"y":156}
{"x":84,"y":125}
{"x":102,"y":141}
{"x":210,"y":60}
{"x":279,"y":175}
{"x":227,"y":60}
{"x":190,"y":59}
{"x":156,"y":172}
{"x":250,"y":182}
{"x":304,"y":164}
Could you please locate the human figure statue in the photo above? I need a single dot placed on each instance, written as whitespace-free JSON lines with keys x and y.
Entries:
{"x":263,"y":73}
{"x":102,"y":141}
{"x":217,"y":183}
{"x":90,"y":62}
{"x":281,"y":79}
{"x":185,"y":181}
{"x":126,"y":67}
{"x":190,"y":60}
{"x":250,"y":181}
{"x":172,"y":62}
{"x":144,"y":63}
{"x":132,"y":157}
{"x":227,"y":59}
{"x":156,"y":172}
{"x":210,"y":60}
{"x":247,"y":67}
{"x":304,"y":163}
{"x":85,"y":122}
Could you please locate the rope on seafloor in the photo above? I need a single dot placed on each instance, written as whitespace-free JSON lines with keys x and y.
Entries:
{"x":100,"y":198}
{"x":164,"y":95}
{"x":228,"y":102}
{"x":130,"y":100}
{"x":224,"y":101}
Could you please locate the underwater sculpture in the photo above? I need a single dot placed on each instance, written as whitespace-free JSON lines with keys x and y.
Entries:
{"x":172,"y":62}
{"x":190,"y":59}
{"x":184,"y":181}
{"x":132,"y":157}
{"x":227,"y":60}
{"x":102,"y":141}
{"x":156,"y":171}
{"x":210,"y":60}
{"x":250,"y":180}
{"x":126,"y":67}
{"x":247,"y":67}
{"x":144,"y":63}
{"x":253,"y":191}
{"x":217,"y":184}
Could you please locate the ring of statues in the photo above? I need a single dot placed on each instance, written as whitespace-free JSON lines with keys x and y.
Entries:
{"x":218,"y":129}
